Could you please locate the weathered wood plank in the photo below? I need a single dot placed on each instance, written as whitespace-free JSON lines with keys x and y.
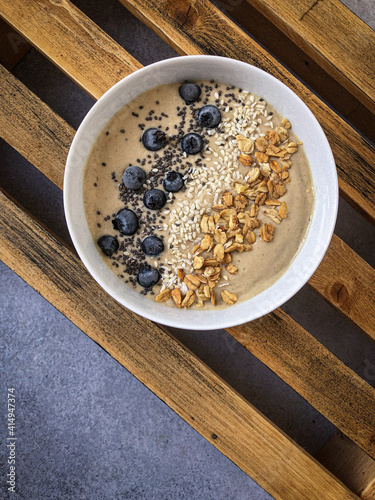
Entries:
{"x":347,"y":282}
{"x":350,"y":464}
{"x":309,"y":71}
{"x":333,"y":36}
{"x":314,"y":372}
{"x":71,"y":41}
{"x":198,"y":27}
{"x":32,"y":128}
{"x":165,"y":366}
{"x":319,"y":387}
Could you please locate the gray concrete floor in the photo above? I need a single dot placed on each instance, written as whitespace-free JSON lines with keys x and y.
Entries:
{"x":86,"y":428}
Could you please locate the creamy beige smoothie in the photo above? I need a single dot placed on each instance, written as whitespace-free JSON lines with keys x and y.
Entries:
{"x":243,"y":210}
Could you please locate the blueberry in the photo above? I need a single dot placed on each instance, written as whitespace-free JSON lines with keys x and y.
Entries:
{"x":108,"y":244}
{"x":189,"y":92}
{"x":192,"y":144}
{"x":147,"y":276}
{"x":209,"y":116}
{"x":154,"y":139}
{"x":126,"y":221}
{"x":152,"y":245}
{"x":173,"y":182}
{"x":154,"y":199}
{"x":134,"y":177}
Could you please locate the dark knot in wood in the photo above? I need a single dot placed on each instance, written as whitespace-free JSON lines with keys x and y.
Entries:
{"x":340,"y":295}
{"x":182,"y":12}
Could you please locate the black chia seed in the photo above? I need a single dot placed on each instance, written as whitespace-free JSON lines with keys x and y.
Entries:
{"x":170,"y":157}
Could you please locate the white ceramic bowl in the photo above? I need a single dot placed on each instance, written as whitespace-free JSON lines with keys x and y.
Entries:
{"x":304,"y":125}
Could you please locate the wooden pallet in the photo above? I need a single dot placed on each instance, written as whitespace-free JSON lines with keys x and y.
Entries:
{"x":95,"y":62}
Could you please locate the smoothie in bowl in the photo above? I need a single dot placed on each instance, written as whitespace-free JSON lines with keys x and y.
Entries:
{"x":200,"y":192}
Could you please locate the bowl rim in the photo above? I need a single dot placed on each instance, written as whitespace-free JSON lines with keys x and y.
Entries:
{"x":199,"y":319}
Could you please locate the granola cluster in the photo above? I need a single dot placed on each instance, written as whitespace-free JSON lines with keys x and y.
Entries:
{"x":230,"y":226}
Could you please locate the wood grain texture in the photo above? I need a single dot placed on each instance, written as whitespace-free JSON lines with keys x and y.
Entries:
{"x":347,"y":282}
{"x":349,"y":463}
{"x":32,"y":128}
{"x":314,"y":372}
{"x":301,"y":64}
{"x":198,"y":27}
{"x":317,"y":386}
{"x":165,"y":366}
{"x":333,"y":36}
{"x":71,"y":41}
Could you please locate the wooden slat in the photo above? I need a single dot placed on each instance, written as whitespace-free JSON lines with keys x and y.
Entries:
{"x":333,"y":36}
{"x":293,"y":57}
{"x":198,"y":27}
{"x":32,"y":128}
{"x":347,"y":282}
{"x":314,"y":372}
{"x":71,"y":41}
{"x":349,"y":463}
{"x":276,"y":339}
{"x":165,"y":366}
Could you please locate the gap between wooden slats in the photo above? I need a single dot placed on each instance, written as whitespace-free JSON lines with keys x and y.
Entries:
{"x":350,"y":464}
{"x":13,"y":46}
{"x":164,"y":365}
{"x":277,"y":340}
{"x":333,"y":36}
